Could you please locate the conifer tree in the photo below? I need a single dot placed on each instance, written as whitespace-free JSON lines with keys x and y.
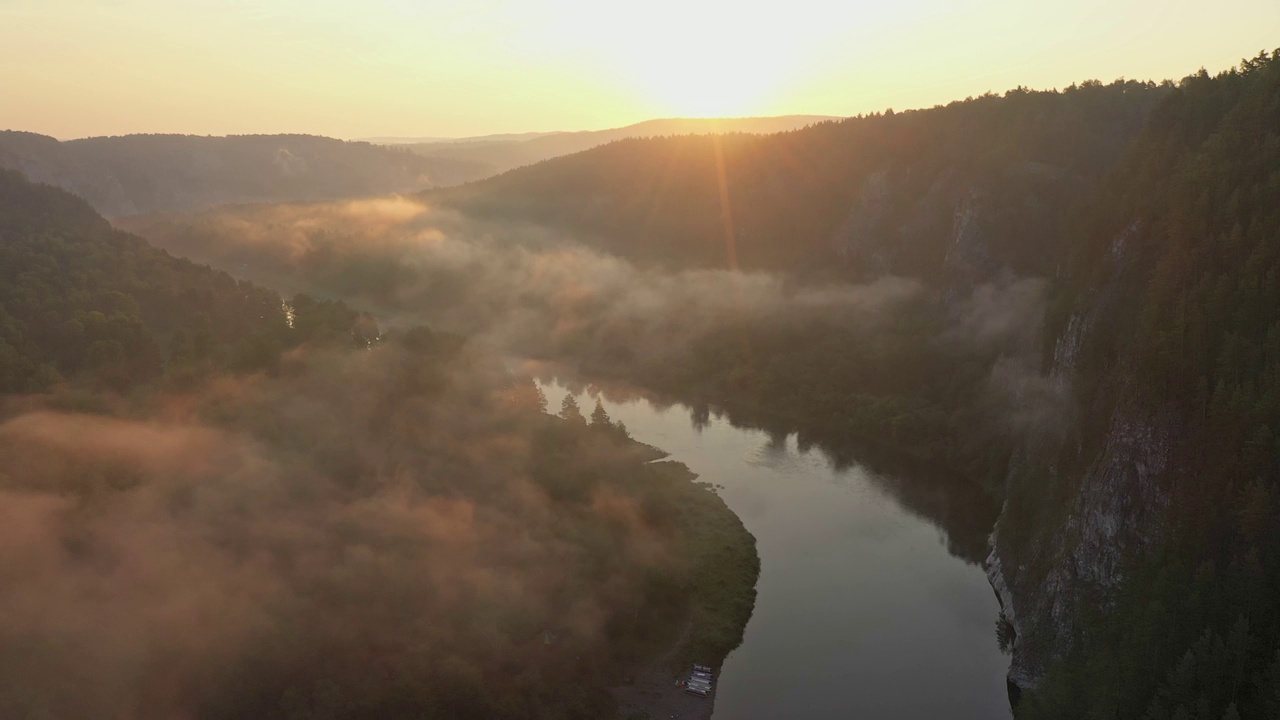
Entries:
{"x":570,"y":411}
{"x":600,"y":418}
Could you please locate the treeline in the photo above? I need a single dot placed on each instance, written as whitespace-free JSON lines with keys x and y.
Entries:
{"x":217,"y":505}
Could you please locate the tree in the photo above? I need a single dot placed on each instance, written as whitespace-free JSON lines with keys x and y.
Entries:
{"x":570,"y":411}
{"x":525,"y":394}
{"x":600,"y":418}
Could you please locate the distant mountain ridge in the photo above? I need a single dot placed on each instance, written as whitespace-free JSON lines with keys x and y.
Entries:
{"x":134,"y":174}
{"x":508,"y":151}
{"x":656,"y":126}
{"x":499,"y":137}
{"x":140,"y":174}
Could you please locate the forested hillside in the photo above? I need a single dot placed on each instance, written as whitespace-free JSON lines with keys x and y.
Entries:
{"x":134,"y":174}
{"x":880,"y":190}
{"x":1158,"y":523}
{"x":218,"y":504}
{"x":81,"y":299}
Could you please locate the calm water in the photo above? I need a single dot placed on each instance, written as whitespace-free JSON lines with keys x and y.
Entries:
{"x":861,"y":610}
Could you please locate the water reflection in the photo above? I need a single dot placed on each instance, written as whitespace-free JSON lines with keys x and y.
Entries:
{"x":870,"y":603}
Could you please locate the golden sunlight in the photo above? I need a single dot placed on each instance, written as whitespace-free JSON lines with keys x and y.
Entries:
{"x":711,"y":68}
{"x":715,"y":84}
{"x":703,"y":60}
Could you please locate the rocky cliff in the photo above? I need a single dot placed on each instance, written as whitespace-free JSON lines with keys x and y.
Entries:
{"x":1132,"y":557}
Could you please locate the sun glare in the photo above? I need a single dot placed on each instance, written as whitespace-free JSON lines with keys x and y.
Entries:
{"x":710,"y":68}
{"x":716,"y":83}
{"x":710,"y":59}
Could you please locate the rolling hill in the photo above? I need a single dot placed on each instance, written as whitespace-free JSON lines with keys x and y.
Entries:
{"x":136,"y":174}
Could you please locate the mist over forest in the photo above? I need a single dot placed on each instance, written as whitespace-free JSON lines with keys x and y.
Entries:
{"x":217,"y":504}
{"x":1023,"y":288}
{"x":269,"y":446}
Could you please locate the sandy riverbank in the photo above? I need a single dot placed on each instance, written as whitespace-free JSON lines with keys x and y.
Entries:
{"x":653,"y":694}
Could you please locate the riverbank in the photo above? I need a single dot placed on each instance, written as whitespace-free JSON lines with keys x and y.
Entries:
{"x":651,"y":692}
{"x":721,"y":569}
{"x":864,"y":593}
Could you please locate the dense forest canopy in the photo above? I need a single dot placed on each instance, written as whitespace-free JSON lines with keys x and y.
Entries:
{"x":883,"y":185}
{"x":1177,"y":284}
{"x":79,"y":298}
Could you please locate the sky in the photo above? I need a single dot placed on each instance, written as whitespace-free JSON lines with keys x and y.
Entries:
{"x":446,"y":68}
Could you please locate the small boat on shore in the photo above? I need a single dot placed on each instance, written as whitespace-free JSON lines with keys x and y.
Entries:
{"x":699,"y":682}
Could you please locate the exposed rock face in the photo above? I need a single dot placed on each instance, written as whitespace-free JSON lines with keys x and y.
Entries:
{"x":856,"y":237}
{"x":968,"y":260}
{"x":1112,"y":492}
{"x":1111,"y":501}
{"x":1115,"y":514}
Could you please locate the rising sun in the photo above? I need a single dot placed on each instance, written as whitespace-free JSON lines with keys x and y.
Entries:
{"x":705,"y":66}
{"x":709,"y":89}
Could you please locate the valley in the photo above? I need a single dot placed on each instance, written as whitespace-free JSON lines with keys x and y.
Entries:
{"x":1026,"y":342}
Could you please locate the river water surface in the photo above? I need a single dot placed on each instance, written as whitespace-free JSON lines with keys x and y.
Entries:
{"x":862,"y":611}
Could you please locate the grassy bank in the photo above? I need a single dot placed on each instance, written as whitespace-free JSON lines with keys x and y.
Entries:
{"x":713,"y":594}
{"x":723,"y":568}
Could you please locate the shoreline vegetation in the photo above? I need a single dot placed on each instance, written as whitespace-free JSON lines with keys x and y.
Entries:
{"x":724,"y":568}
{"x":715,"y":575}
{"x":967,"y":517}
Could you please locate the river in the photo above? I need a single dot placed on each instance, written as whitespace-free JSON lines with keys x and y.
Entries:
{"x":862,"y":610}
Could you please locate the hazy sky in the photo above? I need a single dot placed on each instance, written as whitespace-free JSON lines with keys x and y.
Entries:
{"x":72,"y":68}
